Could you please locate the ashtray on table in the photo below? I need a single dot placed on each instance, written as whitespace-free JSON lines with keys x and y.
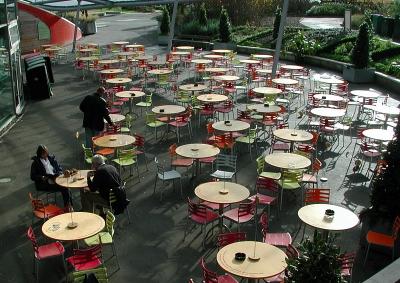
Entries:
{"x":240,"y":256}
{"x":113,"y":139}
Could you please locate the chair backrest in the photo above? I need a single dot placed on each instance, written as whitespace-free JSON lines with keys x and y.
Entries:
{"x":81,"y":256}
{"x":347,"y":260}
{"x":160,"y":167}
{"x":292,"y":175}
{"x":31,"y":236}
{"x":315,"y":138}
{"x":127,"y":154}
{"x":229,"y":238}
{"x":226,"y":161}
{"x":37,"y":204}
{"x":246,"y":208}
{"x":208,"y":275}
{"x":196,"y":209}
{"x":267,"y":184}
{"x":317,"y":165}
{"x":317,"y":196}
{"x":99,"y":273}
{"x":292,"y":252}
{"x":396,"y":227}
{"x":260,"y":164}
{"x":264,"y":223}
{"x":87,"y":151}
{"x":172,"y":150}
{"x":110,"y":220}
{"x":139,"y":140}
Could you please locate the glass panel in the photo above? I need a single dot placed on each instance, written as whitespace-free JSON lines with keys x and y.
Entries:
{"x":43,"y":30}
{"x":14,"y":34}
{"x":17,"y":80}
{"x":12,"y":14}
{"x":6,"y":99}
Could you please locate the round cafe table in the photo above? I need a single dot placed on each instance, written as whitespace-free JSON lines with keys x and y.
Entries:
{"x":185,"y":48}
{"x":262,"y":108}
{"x":126,"y":54}
{"x":87,"y":50}
{"x":329,"y":81}
{"x":249,"y":61}
{"x":168,"y":109}
{"x":365,"y":93}
{"x":222,"y":193}
{"x":108,"y":61}
{"x":216,"y":70}
{"x":232,"y":126}
{"x":197,"y":151}
{"x":116,"y":118}
{"x":292,"y":67}
{"x":287,"y":161}
{"x":329,"y":98}
{"x":114,"y":141}
{"x":314,"y":215}
{"x":293,"y":135}
{"x":272,"y":260}
{"x":222,"y":51}
{"x":201,"y":61}
{"x":328,"y":112}
{"x":267,"y":90}
{"x":118,"y":81}
{"x":180,"y":53}
{"x":134,"y":46}
{"x":89,"y":224}
{"x":379,"y":134}
{"x":262,"y":56}
{"x":226,"y":78}
{"x":192,"y":87}
{"x":131,"y":94}
{"x":264,"y":71}
{"x":385,"y":110}
{"x":111,"y":71}
{"x":77,"y":181}
{"x":285,"y":82}
{"x":213,"y":56}
{"x":212,"y":98}
{"x":87,"y":60}
{"x":120,"y":43}
{"x":159,"y":72}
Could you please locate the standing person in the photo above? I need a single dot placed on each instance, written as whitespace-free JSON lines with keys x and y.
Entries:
{"x":100,"y":181}
{"x":94,"y":109}
{"x":44,"y":171}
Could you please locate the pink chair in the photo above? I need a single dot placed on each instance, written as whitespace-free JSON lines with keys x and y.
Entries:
{"x":199,"y":214}
{"x":85,"y":259}
{"x":210,"y":276}
{"x":179,"y":122}
{"x":347,"y":264}
{"x":267,"y":192}
{"x":44,"y":252}
{"x":242,"y":214}
{"x":291,"y":252}
{"x":229,"y":238}
{"x":276,"y":239}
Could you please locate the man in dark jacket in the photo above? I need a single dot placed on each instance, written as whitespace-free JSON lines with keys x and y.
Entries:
{"x":44,"y":171}
{"x":94,"y":109}
{"x":100,"y":181}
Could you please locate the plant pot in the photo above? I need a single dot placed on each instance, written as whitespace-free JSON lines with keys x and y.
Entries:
{"x":377,"y":22}
{"x":225,"y":45}
{"x":354,"y":75}
{"x":163,"y":40}
{"x":396,"y":30}
{"x":387,"y":27}
{"x":91,"y":28}
{"x":299,"y":60}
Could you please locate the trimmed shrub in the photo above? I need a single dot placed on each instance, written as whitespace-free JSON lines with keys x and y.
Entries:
{"x":225,"y":33}
{"x":277,"y":22}
{"x":332,"y":9}
{"x":360,"y":52}
{"x":165,"y":21}
{"x":203,"y":15}
{"x":195,"y":28}
{"x":383,"y":54}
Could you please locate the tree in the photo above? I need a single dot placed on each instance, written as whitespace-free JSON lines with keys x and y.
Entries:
{"x":224,"y":26}
{"x":277,"y":22}
{"x":319,"y":261}
{"x":385,"y":193}
{"x":165,"y":20}
{"x":360,"y":52}
{"x":203,"y":15}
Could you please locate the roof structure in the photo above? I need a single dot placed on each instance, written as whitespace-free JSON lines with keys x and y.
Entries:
{"x":68,"y":5}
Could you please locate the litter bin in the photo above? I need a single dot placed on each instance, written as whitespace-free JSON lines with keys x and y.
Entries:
{"x":387,"y":27}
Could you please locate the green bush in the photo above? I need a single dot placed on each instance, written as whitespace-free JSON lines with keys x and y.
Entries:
{"x":195,"y":28}
{"x":203,"y":15}
{"x":301,"y":45}
{"x":225,"y":33}
{"x":360,"y":52}
{"x":332,"y":9}
{"x":277,"y":22}
{"x":165,"y":20}
{"x":357,"y":20}
{"x":71,"y":17}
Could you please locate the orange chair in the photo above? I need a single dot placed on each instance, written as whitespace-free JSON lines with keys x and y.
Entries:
{"x":178,"y":162}
{"x":42,"y":211}
{"x":385,"y":240}
{"x":312,"y":178}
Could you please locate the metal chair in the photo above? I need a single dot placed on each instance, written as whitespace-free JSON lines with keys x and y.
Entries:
{"x":165,"y":176}
{"x":226,"y":167}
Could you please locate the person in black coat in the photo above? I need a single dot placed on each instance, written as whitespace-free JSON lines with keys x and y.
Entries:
{"x":44,"y":171}
{"x":100,"y":181}
{"x":94,"y":109}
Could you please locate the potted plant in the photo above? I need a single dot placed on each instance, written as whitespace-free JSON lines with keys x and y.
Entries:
{"x":225,"y":32}
{"x":164,"y":28}
{"x":88,"y":24}
{"x":301,"y":46}
{"x":319,"y":261}
{"x":359,"y":72}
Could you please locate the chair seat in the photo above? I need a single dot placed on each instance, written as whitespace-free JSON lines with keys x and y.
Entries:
{"x":281,"y":146}
{"x":276,"y":279}
{"x":245,"y":139}
{"x":380,"y":239}
{"x":207,"y":159}
{"x":105,"y":151}
{"x":49,"y":250}
{"x":340,"y":126}
{"x":371,"y":153}
{"x":263,"y":199}
{"x":226,"y":279}
{"x":236,"y":135}
{"x":50,"y":209}
{"x":233,"y":216}
{"x":178,"y":124}
{"x":256,"y":117}
{"x":182,"y":162}
{"x":89,"y":264}
{"x":308,"y":178}
{"x":288,"y":184}
{"x":278,"y":239}
{"x":213,"y":206}
{"x":219,"y":174}
{"x":163,"y":119}
{"x":155,"y":124}
{"x":105,"y":237}
{"x":271,"y":175}
{"x":124,"y":161}
{"x":209,"y":217}
{"x":143,"y":104}
{"x":169,"y":175}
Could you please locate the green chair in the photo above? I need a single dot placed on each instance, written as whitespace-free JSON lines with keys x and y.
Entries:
{"x":127,"y":157}
{"x":163,"y":82}
{"x":291,"y":180}
{"x":182,"y":97}
{"x":153,"y":123}
{"x":250,"y":139}
{"x":127,"y":124}
{"x":146,"y":103}
{"x":105,"y":237}
{"x":100,"y":273}
{"x":264,"y":174}
{"x":87,"y":154}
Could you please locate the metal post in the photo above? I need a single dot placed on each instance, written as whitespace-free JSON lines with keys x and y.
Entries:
{"x":278,"y":45}
{"x":172,"y":25}
{"x":76,"y":24}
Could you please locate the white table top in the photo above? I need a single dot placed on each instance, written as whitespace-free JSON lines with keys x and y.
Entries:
{"x":329,"y":80}
{"x":192,"y":87}
{"x":379,"y":134}
{"x":264,"y":71}
{"x":223,"y":51}
{"x":197,"y":150}
{"x":287,"y":161}
{"x":329,"y":97}
{"x":115,"y":118}
{"x":249,"y":61}
{"x":168,"y":109}
{"x":226,"y":78}
{"x":272,"y":260}
{"x":233,"y":126}
{"x":293,"y":135}
{"x":180,"y":53}
{"x":328,"y":112}
{"x":121,"y":42}
{"x":130,"y":94}
{"x":283,"y":81}
{"x":111,"y":71}
{"x":212,"y":98}
{"x":314,"y":215}
{"x":184,"y":47}
{"x":213,"y":56}
{"x":201,"y":61}
{"x":261,"y":108}
{"x":159,"y":72}
{"x":216,"y":70}
{"x":384,"y":109}
{"x":365,"y":93}
{"x":114,"y":141}
{"x":267,"y":90}
{"x":119,"y":81}
{"x":262,"y":56}
{"x":222,"y":192}
{"x":292,"y":67}
{"x":77,"y":181}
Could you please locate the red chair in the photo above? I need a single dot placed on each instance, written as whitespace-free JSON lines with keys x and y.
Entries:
{"x":384,"y":240}
{"x":199,"y":214}
{"x":140,"y":150}
{"x":85,"y":259}
{"x":347,"y":264}
{"x":178,"y":162}
{"x":44,"y":252}
{"x":210,"y":276}
{"x":242,"y":214}
{"x":312,"y":178}
{"x":225,"y":108}
{"x":207,"y":110}
{"x":267,"y":192}
{"x":229,"y":238}
{"x":317,"y":196}
{"x":179,"y":122}
{"x":276,"y":239}
{"x":102,"y":150}
{"x":243,"y":116}
{"x":42,"y":211}
{"x":291,"y":252}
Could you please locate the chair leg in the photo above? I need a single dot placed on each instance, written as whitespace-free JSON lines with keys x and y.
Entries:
{"x":115,"y":254}
{"x":366,"y":254}
{"x":155,"y":184}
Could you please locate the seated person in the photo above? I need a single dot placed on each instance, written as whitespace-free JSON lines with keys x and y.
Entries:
{"x":100,"y":181}
{"x":44,"y":171}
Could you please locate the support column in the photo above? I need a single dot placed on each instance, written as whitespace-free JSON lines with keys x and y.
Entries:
{"x":278,"y":45}
{"x":78,"y":8}
{"x":172,"y":25}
